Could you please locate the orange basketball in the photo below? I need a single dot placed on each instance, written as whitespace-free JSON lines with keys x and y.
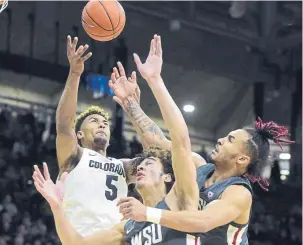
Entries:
{"x":103,"y":20}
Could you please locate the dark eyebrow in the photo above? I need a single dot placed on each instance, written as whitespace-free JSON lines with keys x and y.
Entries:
{"x":230,"y":137}
{"x":151,"y":158}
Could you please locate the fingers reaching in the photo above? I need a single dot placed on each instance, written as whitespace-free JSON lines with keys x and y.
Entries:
{"x":124,"y":208}
{"x":45,"y":171}
{"x":69,"y":43}
{"x":38,"y":187}
{"x":74,"y":45}
{"x":123,"y":200}
{"x":38,"y":181}
{"x":137,"y":61}
{"x":81,"y":50}
{"x":133,"y":77}
{"x":121,"y":69}
{"x":38,"y":174}
{"x":71,"y":49}
{"x":116,"y":72}
{"x":158,"y":46}
{"x":87,"y":56}
{"x":111,"y":84}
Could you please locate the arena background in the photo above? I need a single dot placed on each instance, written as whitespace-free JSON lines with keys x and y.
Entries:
{"x":232,"y":61}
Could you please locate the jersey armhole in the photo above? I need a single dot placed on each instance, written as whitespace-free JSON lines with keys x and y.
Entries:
{"x":74,"y":164}
{"x":241,"y":184}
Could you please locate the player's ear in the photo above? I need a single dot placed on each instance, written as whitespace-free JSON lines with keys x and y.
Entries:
{"x":80,"y":135}
{"x":168,"y":178}
{"x":243,"y":160}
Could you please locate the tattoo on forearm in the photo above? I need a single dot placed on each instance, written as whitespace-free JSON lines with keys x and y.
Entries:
{"x":142,"y":121}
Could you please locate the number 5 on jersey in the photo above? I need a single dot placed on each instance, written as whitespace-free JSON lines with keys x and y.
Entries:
{"x":112,"y":192}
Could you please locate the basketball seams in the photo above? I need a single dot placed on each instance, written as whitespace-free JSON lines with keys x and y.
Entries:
{"x":119,"y":15}
{"x":108,"y":17}
{"x":118,"y":31}
{"x":95,"y":21}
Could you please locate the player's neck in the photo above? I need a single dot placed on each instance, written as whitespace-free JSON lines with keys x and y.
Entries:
{"x":100,"y":149}
{"x":151,"y":196}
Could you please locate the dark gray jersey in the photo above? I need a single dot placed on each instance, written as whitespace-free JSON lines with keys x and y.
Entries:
{"x":146,"y":233}
{"x":229,"y":234}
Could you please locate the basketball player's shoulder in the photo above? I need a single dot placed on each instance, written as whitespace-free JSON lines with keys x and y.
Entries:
{"x":238,"y":194}
{"x":198,"y":160}
{"x":121,"y":161}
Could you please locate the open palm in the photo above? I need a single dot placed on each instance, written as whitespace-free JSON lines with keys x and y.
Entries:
{"x":153,"y":64}
{"x":53,"y":193}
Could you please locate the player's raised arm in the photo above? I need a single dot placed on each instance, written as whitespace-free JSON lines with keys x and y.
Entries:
{"x":185,"y":188}
{"x":66,"y":232}
{"x":66,"y":142}
{"x":127,"y":94}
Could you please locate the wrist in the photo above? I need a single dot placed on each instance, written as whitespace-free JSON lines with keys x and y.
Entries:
{"x":74,"y":73}
{"x":153,"y":215}
{"x":129,"y":101}
{"x":55,"y":208}
{"x":155,"y":82}
{"x":153,"y":78}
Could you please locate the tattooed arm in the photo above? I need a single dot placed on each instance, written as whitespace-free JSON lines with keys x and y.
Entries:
{"x":148,"y":131}
{"x":127,"y":94}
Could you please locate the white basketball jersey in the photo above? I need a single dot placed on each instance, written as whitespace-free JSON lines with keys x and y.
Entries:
{"x":92,"y":190}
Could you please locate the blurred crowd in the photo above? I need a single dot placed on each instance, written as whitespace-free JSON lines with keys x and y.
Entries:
{"x":28,"y":138}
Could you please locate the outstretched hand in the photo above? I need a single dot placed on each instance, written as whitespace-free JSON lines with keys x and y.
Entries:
{"x":76,"y":58}
{"x":124,"y":88}
{"x":131,"y":208}
{"x":53,"y":193}
{"x":153,"y":64}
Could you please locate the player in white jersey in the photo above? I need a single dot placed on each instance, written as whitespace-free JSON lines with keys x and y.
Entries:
{"x":95,"y":182}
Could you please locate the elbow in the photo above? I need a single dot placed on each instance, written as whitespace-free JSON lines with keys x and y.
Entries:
{"x":201,"y":227}
{"x":204,"y":228}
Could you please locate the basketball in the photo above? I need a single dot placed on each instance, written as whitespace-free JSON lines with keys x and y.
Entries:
{"x":103,"y":20}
